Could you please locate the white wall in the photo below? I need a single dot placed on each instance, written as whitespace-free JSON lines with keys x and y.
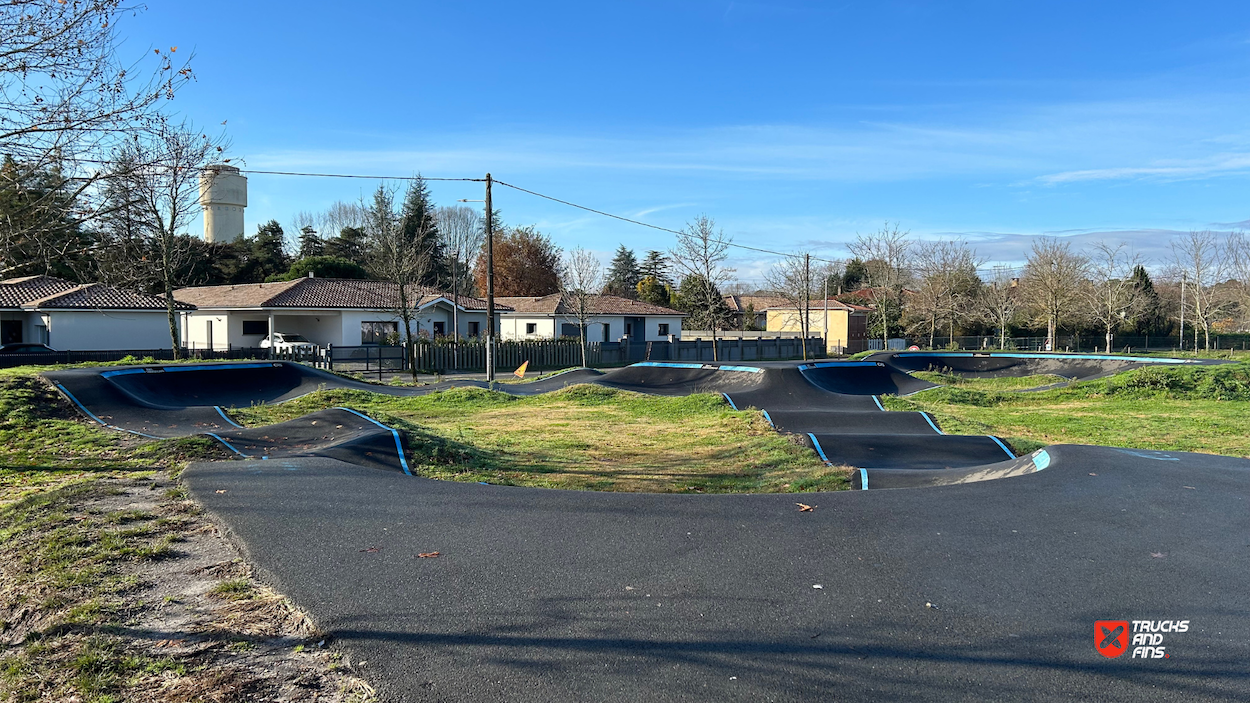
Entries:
{"x":653,"y":327}
{"x":512,"y":327}
{"x":92,"y":330}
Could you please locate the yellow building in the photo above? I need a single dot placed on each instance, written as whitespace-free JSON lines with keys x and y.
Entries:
{"x":844,"y":327}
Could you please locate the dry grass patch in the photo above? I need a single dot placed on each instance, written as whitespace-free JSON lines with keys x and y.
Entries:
{"x":585,"y":437}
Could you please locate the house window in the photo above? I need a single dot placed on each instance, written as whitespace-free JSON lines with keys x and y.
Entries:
{"x":569,"y":330}
{"x":663,"y":329}
{"x":378,"y":332}
{"x":440,"y":329}
{"x":10,"y":332}
{"x":260,"y":327}
{"x":475,"y":328}
{"x":531,"y":328}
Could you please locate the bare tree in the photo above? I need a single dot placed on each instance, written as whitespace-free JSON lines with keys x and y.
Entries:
{"x":461,"y":230}
{"x":1239,"y":259}
{"x":1204,"y":262}
{"x":948,"y":284}
{"x":1052,"y":282}
{"x":66,"y":102}
{"x":393,"y":255}
{"x":700,"y":255}
{"x":886,"y":254}
{"x":791,"y":279}
{"x":1112,"y":293}
{"x":154,"y":189}
{"x":999,"y":303}
{"x":580,"y":276}
{"x":341,"y":215}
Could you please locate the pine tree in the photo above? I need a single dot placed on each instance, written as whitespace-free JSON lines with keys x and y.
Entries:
{"x":651,"y":290}
{"x":310,"y":243}
{"x":623,"y":274}
{"x":420,"y":228}
{"x":350,"y":245}
{"x":266,"y":253}
{"x":855,"y":276}
{"x":1152,"y":320}
{"x":655,"y":266}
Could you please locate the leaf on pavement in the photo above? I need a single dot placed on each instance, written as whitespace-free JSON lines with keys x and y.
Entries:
{"x":428,"y":555}
{"x":371,"y":550}
{"x":804,"y":508}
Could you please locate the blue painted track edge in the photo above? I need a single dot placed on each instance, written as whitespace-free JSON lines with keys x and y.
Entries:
{"x":819,"y":450}
{"x":399,"y":445}
{"x":709,"y":367}
{"x":229,"y":446}
{"x":999,"y":442}
{"x":92,"y":415}
{"x":226,"y":417}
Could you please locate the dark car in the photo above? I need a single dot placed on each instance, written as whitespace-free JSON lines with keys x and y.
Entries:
{"x":21,"y":348}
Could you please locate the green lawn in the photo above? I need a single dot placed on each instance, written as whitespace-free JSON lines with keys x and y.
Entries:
{"x":584,"y":437}
{"x":1004,"y":383}
{"x":1196,"y":409}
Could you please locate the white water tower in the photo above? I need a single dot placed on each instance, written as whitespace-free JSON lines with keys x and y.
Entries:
{"x":223,"y":195}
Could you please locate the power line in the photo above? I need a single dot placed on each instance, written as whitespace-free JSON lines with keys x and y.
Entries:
{"x":350,"y":175}
{"x":648,"y":224}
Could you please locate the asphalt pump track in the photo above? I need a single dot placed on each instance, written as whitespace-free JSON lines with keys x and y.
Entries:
{"x":969,"y":589}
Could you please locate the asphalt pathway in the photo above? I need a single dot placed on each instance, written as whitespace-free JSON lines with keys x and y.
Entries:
{"x":984,"y":591}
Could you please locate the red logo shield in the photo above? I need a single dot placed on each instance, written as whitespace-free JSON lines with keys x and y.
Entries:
{"x":1111,"y":637}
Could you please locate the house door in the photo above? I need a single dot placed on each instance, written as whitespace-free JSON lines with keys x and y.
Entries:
{"x":10,"y":331}
{"x":208,"y":333}
{"x":636,"y":329}
{"x":440,"y":329}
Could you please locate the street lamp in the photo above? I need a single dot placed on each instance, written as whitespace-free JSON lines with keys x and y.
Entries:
{"x":490,"y":284}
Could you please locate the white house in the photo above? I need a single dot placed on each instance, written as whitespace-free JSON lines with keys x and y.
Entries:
{"x":613,"y":319}
{"x":81,"y":317}
{"x":324,"y":310}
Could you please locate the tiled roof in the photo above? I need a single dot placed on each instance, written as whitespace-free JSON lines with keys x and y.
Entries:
{"x":16,"y":292}
{"x":323,"y":293}
{"x":50,"y":293}
{"x":758,"y":303}
{"x":599,"y":305}
{"x":816,"y":304}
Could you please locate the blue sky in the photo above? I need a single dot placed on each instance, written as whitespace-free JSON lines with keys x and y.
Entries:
{"x":794,"y":124}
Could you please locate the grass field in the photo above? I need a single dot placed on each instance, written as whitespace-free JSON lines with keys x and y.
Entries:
{"x":1196,"y":409}
{"x":98,"y":596}
{"x":1005,"y":383}
{"x":584,"y":437}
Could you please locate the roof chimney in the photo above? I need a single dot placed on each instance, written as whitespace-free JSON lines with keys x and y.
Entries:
{"x":310,"y":274}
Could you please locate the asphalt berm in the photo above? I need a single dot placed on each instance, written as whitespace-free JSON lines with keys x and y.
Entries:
{"x":960,"y":588}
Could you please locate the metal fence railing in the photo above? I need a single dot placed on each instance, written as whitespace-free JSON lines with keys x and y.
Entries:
{"x":1079,"y":343}
{"x":314,"y":356}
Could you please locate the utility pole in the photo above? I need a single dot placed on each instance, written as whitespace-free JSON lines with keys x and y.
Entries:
{"x":490,"y":286}
{"x":827,"y":313}
{"x":1182,"y":311}
{"x":807,"y":301}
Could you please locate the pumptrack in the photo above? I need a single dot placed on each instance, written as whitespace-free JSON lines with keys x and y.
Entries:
{"x":972,"y":588}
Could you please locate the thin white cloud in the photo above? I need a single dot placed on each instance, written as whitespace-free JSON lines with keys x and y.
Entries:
{"x":1216,"y":166}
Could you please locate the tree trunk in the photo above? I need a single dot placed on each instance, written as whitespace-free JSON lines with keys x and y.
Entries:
{"x":174,"y":340}
{"x":1109,"y":335}
{"x":583,"y":329}
{"x":455,"y":315}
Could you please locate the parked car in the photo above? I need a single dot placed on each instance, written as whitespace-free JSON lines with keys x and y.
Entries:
{"x":283,"y":341}
{"x":24,"y":348}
